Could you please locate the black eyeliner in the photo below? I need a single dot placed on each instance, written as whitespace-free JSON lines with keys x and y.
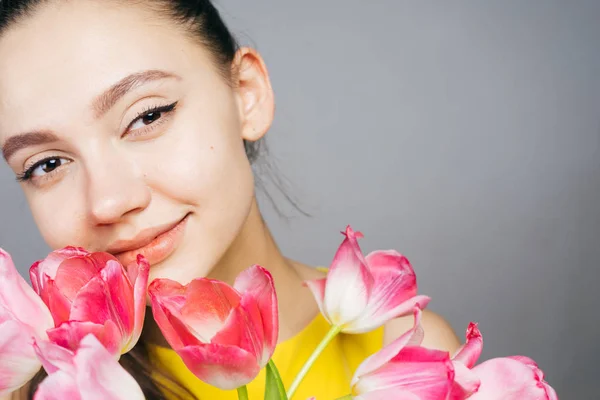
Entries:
{"x":26,"y":175}
{"x":158,"y":109}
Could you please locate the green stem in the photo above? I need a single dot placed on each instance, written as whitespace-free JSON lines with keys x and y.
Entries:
{"x":242,"y":393}
{"x":278,"y":382}
{"x":311,"y":360}
{"x":346,"y":397}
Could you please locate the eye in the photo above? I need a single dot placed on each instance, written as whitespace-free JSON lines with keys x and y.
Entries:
{"x":149,"y":117}
{"x":43,"y":167}
{"x":146,"y":120}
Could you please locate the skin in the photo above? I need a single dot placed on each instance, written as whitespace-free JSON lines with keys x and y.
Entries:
{"x":115,"y":181}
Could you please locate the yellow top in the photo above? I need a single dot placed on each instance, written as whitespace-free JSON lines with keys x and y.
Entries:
{"x":328,"y":379}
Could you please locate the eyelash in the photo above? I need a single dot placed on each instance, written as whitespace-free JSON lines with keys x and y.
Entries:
{"x":153,"y":110}
{"x":28,"y":173}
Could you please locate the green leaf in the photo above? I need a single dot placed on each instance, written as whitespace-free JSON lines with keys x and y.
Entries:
{"x":274,"y":389}
{"x":242,"y":393}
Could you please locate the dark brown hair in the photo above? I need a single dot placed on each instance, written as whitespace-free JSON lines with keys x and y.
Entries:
{"x":203,"y":21}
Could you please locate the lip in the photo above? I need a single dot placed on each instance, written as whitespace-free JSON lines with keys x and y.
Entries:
{"x":155,"y":244}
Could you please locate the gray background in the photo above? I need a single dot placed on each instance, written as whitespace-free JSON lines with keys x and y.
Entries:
{"x":464,"y":134}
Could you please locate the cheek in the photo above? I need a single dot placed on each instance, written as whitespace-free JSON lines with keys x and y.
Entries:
{"x":203,"y":172}
{"x":201,"y":160}
{"x":60,"y":226}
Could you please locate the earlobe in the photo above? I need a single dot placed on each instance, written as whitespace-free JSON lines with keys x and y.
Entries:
{"x":255,"y":93}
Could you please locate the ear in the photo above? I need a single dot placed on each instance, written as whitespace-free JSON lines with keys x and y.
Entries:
{"x":255,"y":94}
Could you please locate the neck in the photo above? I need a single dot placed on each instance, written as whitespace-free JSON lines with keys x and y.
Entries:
{"x":255,"y":245}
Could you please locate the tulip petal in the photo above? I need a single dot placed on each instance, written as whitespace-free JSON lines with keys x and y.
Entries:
{"x":208,"y":304}
{"x":413,"y":337}
{"x":538,"y":373}
{"x":120,"y":295}
{"x":59,"y":305}
{"x":44,"y":271}
{"x":469,"y":353}
{"x":70,"y":334}
{"x":92,"y":304}
{"x":38,"y":280}
{"x":394,"y":292}
{"x":257,"y":287}
{"x":392,"y":273}
{"x":163,"y":289}
{"x":99,"y":375}
{"x":73,"y":274}
{"x":19,"y":299}
{"x":49,"y":266}
{"x":317,"y":287}
{"x":466,"y":382}
{"x":101,"y":258}
{"x":238,"y":331}
{"x":18,"y":362}
{"x":235,"y":330}
{"x":527,"y":361}
{"x":550,"y":392}
{"x":225,"y":367}
{"x":140,"y":287}
{"x":91,"y":374}
{"x":252,"y":336}
{"x":425,"y":372}
{"x":254,"y":321}
{"x":368,"y":322}
{"x":59,"y":386}
{"x":509,"y":379}
{"x":394,"y":280}
{"x":349,"y":282}
{"x":54,"y":357}
{"x":390,"y":394}
{"x":165,"y":312}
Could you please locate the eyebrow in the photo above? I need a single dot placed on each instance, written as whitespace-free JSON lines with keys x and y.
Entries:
{"x":100,"y":105}
{"x":104,"y":102}
{"x":18,"y":142}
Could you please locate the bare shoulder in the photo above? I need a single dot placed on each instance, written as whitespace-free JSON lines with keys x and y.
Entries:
{"x":438,"y":332}
{"x":306,"y":272}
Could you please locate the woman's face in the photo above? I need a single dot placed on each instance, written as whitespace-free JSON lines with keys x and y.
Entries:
{"x":127,"y":137}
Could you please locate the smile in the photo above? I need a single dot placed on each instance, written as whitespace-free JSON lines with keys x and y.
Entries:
{"x":157,"y":247}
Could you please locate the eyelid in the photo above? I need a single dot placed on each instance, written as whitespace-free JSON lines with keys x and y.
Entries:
{"x":27,"y":176}
{"x":166,"y":109}
{"x":42,"y":160}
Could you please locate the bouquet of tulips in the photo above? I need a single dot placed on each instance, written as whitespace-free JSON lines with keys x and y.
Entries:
{"x":84,"y":310}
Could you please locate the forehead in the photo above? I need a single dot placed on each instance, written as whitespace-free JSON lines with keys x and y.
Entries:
{"x":56,"y":61}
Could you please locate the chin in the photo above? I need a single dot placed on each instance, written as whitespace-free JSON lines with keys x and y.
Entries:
{"x":180,"y":268}
{"x":189,"y":261}
{"x":204,"y":245}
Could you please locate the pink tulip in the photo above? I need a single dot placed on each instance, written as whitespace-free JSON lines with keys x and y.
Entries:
{"x":23,"y":316}
{"x":91,"y":373}
{"x":507,"y":378}
{"x":92,"y":293}
{"x":362,"y":293}
{"x":403,"y":370}
{"x":224,"y":334}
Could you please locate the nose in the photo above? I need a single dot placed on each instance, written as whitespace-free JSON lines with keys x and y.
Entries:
{"x":116,"y":188}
